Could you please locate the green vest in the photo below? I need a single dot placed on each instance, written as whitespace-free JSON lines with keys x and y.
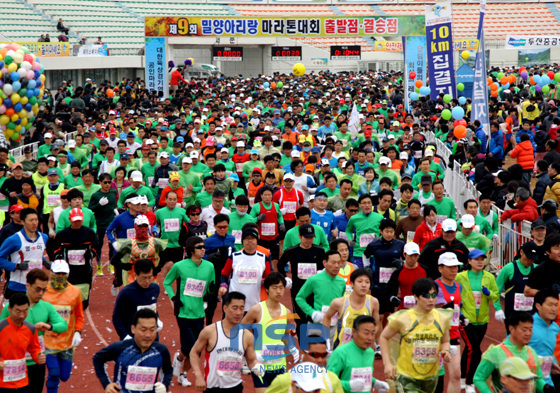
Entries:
{"x":51,"y":198}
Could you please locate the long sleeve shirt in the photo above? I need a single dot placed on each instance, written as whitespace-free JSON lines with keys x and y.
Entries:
{"x":132,"y":298}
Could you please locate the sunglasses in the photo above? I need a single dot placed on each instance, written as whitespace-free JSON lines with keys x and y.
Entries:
{"x":106,"y":182}
{"x":195,"y":214}
{"x":222,"y":226}
{"x":353,"y":210}
{"x":430,"y":295}
{"x":143,"y":226}
{"x":319,"y":354}
{"x":201,"y":247}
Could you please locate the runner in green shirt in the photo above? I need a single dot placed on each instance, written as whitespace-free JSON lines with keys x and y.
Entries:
{"x":445,"y":206}
{"x":238,"y":218}
{"x":74,"y":179}
{"x":170,"y":219}
{"x":88,"y":188}
{"x":363,"y":228}
{"x":469,"y":237}
{"x":303,"y":216}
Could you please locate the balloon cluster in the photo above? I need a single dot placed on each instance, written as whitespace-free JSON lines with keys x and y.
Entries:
{"x":189,"y":61}
{"x":22,"y":85}
{"x":419,"y":87}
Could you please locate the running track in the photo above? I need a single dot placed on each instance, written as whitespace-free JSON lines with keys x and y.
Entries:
{"x":99,"y":332}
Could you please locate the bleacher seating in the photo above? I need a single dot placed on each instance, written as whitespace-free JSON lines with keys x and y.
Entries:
{"x":120,"y":23}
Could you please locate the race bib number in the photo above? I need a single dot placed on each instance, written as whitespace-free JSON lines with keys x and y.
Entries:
{"x":344,"y":142}
{"x":385,"y":274}
{"x":268,"y":228}
{"x":64,"y":311}
{"x":306,"y":270}
{"x":290,"y":207}
{"x":342,"y":235}
{"x":14,"y":370}
{"x":522,"y":303}
{"x":251,"y":201}
{"x":248,"y":275}
{"x":76,"y":257}
{"x":34,"y":264}
{"x":130,"y":233}
{"x":152,"y":307}
{"x":162,"y":183}
{"x":456,"y":315}
{"x":417,"y":153}
{"x":546,"y":365}
{"x":334,"y":318}
{"x":365,"y":239}
{"x":150,"y":181}
{"x":41,"y":344}
{"x":237,"y":235}
{"x":477,"y":298}
{"x":239,"y":167}
{"x":346,"y":335}
{"x":272,"y":355}
{"x":194,"y":287}
{"x":228,"y":366}
{"x":171,"y":224}
{"x":53,"y":200}
{"x":441,"y":218}
{"x":140,"y":379}
{"x":364,"y":374}
{"x":409,"y":301}
{"x":410,"y":236}
{"x":2,"y":197}
{"x":348,"y":290}
{"x":425,"y":351}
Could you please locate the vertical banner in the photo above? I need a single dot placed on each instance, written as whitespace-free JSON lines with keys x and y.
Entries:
{"x":479,"y":109}
{"x":415,"y":60}
{"x":439,"y":19}
{"x":156,"y":68}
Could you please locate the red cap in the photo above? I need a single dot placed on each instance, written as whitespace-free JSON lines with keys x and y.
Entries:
{"x":16,"y":208}
{"x":113,"y":130}
{"x":257,"y":170}
{"x":367,"y":133}
{"x":76,"y":215}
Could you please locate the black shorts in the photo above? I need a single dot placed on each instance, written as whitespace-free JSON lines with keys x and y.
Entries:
{"x":235,"y":389}
{"x":175,"y":255}
{"x":454,"y":341}
{"x":267,"y":378}
{"x":273,"y":246}
{"x":189,"y":330}
{"x":385,"y":305}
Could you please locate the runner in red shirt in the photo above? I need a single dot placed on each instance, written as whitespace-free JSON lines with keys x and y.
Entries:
{"x":289,"y":199}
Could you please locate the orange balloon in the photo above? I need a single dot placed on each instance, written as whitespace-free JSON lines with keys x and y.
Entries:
{"x":110,"y":93}
{"x":494,"y":86}
{"x":489,"y":81}
{"x":494,"y":93}
{"x":531,"y":81}
{"x":460,"y":132}
{"x":512,"y":78}
{"x":9,"y":112}
{"x":418,"y":84}
{"x":504,"y":80}
{"x":273,"y":85}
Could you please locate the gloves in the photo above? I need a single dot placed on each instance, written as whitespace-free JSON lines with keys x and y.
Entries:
{"x":261,"y":217}
{"x":103,"y":201}
{"x":52,"y":233}
{"x":115,"y":246}
{"x":177,"y":304}
{"x":317,"y":316}
{"x":116,"y":212}
{"x":395,"y":301}
{"x":548,"y":389}
{"x":159,"y":388}
{"x":281,"y":228}
{"x":24,"y":265}
{"x":357,"y":385}
{"x":381,"y":386}
{"x":260,"y":359}
{"x":77,"y":339}
{"x":288,"y":283}
{"x":114,"y":290}
{"x":486,"y":291}
{"x":295,"y":355}
{"x":47,"y":264}
{"x":352,"y":243}
{"x":126,"y":266}
{"x":495,"y":236}
{"x":500,"y":316}
{"x":159,"y":325}
{"x":283,"y":211}
{"x":463,"y":321}
{"x":258,"y":370}
{"x":205,"y":305}
{"x":127,"y":337}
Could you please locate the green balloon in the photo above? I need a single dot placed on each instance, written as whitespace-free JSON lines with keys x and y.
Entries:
{"x":28,"y":125}
{"x":8,"y":60}
{"x":501,"y":75}
{"x":11,"y":125}
{"x":22,"y":92}
{"x":446,"y":113}
{"x":526,"y":59}
{"x":460,"y":87}
{"x":557,"y":77}
{"x":494,"y":74}
{"x":545,"y":89}
{"x":15,"y":136}
{"x":33,"y":100}
{"x":280,"y":84}
{"x":447,"y":98}
{"x":417,"y":89}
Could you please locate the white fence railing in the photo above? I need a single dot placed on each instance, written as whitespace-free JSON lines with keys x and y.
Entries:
{"x":19,"y":155}
{"x":510,"y":236}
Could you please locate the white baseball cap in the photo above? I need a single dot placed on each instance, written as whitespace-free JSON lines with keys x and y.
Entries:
{"x":48,"y":135}
{"x":403,"y":155}
{"x":467,"y":221}
{"x":164,"y":154}
{"x":448,"y":259}
{"x":449,"y":225}
{"x":295,"y":153}
{"x":289,"y":176}
{"x":411,"y":248}
{"x":187,"y":160}
{"x":385,"y":160}
{"x":141,"y":220}
{"x":194,"y":154}
{"x":71,"y":143}
{"x":240,"y":144}
{"x":308,"y":376}
{"x":60,"y":266}
{"x":136,"y":176}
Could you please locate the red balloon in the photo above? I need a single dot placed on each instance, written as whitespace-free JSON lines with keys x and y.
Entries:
{"x":460,"y":132}
{"x":412,"y":75}
{"x":550,"y":74}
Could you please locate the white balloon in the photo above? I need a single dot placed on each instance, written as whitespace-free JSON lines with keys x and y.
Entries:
{"x":30,"y":114}
{"x":8,"y":90}
{"x":22,"y":72}
{"x":11,"y":53}
{"x":18,"y":58}
{"x":26,"y":65}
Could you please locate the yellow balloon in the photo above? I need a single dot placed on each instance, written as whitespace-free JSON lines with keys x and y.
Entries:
{"x":42,"y":77}
{"x":18,"y":128}
{"x":0,"y":71}
{"x":12,"y":67}
{"x":24,"y":121}
{"x":24,"y":100}
{"x":15,"y":98}
{"x":9,"y":133}
{"x":1,"y":57}
{"x":4,"y":119}
{"x":465,"y":54}
{"x":14,"y":117}
{"x":299,"y":69}
{"x":22,"y":114}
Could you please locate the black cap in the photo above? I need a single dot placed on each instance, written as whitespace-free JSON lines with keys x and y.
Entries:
{"x":538,"y":223}
{"x":530,"y":250}
{"x":103,"y":142}
{"x":307,"y":230}
{"x":549,"y":205}
{"x":250,"y":232}
{"x":426,"y":179}
{"x":28,"y":149}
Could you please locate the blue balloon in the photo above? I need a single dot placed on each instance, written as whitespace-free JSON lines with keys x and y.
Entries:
{"x":18,"y":107}
{"x":1,"y":64}
{"x":37,"y":74}
{"x":18,"y":121}
{"x":38,"y":83}
{"x":458,"y":113}
{"x":14,"y":76}
{"x":506,"y":86}
{"x":413,"y":96}
{"x":16,"y":85}
{"x":537,"y":79}
{"x":462,"y":100}
{"x":30,"y":93}
{"x":545,"y":80}
{"x":7,"y":103}
{"x":31,"y":84}
{"x":37,"y":92}
{"x":28,"y":107}
{"x":266,"y":85}
{"x":425,"y":90}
